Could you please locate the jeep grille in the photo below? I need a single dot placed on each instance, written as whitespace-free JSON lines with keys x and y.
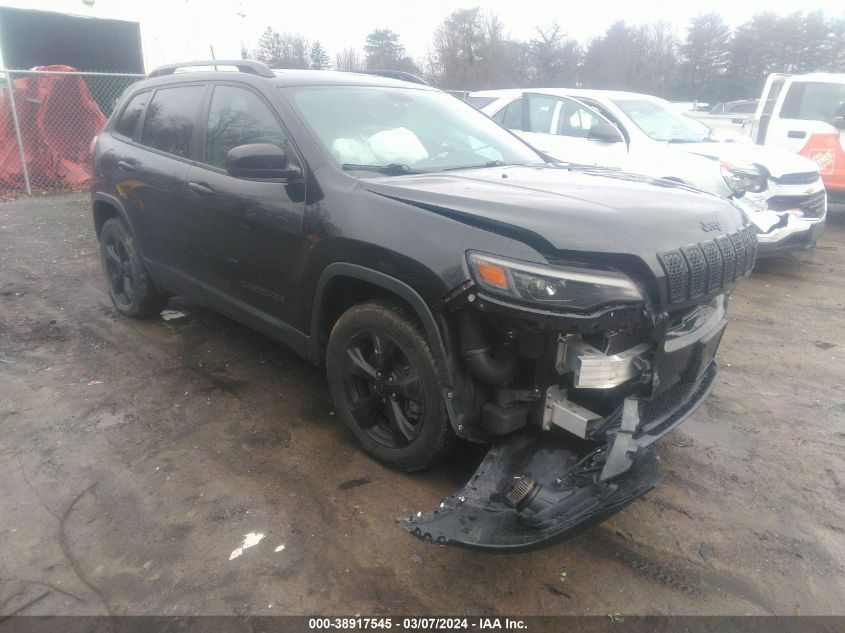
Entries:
{"x":704,"y":268}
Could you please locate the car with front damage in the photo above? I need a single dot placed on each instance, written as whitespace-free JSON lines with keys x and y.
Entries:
{"x":453,"y":282}
{"x":783,"y":194}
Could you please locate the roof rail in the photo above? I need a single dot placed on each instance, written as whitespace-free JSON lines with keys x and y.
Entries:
{"x":401,"y":75}
{"x":243,"y":65}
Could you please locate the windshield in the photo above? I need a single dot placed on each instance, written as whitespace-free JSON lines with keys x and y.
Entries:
{"x":662,"y":122}
{"x":480,"y":102}
{"x":417,"y":130}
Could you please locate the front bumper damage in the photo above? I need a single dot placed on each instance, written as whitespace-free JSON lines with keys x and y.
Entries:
{"x":533,"y":489}
{"x":538,"y":486}
{"x":787,"y":217}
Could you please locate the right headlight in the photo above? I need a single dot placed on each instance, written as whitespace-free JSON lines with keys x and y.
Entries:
{"x":741,"y":178}
{"x":553,"y":286}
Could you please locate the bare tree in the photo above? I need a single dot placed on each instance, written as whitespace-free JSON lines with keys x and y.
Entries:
{"x":471,"y":51}
{"x":554,"y":58}
{"x":348,"y":59}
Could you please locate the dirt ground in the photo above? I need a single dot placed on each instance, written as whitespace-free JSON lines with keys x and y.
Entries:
{"x":136,"y":456}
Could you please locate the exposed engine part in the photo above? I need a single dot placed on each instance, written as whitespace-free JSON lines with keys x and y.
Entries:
{"x":535,"y":487}
{"x":479,"y":360}
{"x":535,"y":502}
{"x":498,"y":420}
{"x":594,"y":369}
{"x":566,"y":414}
{"x":504,"y":397}
{"x":519,"y":491}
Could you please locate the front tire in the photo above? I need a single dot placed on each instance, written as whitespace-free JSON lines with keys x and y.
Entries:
{"x":130,"y":288}
{"x":385,"y":386}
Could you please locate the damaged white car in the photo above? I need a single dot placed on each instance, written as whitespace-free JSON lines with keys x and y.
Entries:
{"x":782,"y":193}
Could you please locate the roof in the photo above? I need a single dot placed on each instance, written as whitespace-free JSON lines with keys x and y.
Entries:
{"x":563,"y":92}
{"x":209,"y":69}
{"x":824,"y":77}
{"x":291,"y":77}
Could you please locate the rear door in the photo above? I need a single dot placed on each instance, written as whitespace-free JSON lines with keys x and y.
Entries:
{"x":248,"y":234}
{"x":152,"y":170}
{"x":560,"y":126}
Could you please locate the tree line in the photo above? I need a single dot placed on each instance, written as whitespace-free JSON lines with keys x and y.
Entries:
{"x":709,"y":61}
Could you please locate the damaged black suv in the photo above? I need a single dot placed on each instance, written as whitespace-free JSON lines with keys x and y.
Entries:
{"x":454,"y":282}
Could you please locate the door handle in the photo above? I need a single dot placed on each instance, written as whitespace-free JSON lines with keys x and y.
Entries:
{"x":796,"y":134}
{"x":200,"y":188}
{"x":123,"y":166}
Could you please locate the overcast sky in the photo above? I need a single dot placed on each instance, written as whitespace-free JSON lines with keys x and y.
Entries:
{"x":177,"y":30}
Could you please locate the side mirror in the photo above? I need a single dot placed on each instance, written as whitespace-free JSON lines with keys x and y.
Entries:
{"x":605,"y":133}
{"x":261,"y":161}
{"x":839,"y":122}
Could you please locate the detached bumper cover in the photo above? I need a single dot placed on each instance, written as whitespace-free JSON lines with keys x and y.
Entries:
{"x":480,"y":516}
{"x":567,"y":482}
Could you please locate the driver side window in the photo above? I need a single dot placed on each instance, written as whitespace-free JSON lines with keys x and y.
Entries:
{"x":575,"y":120}
{"x":541,"y":112}
{"x":510,"y":116}
{"x":239,"y":117}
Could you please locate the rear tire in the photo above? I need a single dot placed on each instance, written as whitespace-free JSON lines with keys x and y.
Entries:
{"x":385,"y":385}
{"x":130,"y":288}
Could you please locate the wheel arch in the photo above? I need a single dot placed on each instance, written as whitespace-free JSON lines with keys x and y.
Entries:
{"x":105,"y":206}
{"x":343,"y":284}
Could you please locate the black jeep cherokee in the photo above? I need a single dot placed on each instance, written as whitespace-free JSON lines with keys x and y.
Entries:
{"x":454,"y":283}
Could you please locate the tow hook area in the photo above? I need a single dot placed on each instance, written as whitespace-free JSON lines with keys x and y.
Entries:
{"x":533,"y":488}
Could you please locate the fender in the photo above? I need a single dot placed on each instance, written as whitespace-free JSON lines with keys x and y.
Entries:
{"x":397,"y":287}
{"x":114,"y":201}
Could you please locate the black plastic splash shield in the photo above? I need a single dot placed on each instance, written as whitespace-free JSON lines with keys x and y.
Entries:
{"x":480,"y":517}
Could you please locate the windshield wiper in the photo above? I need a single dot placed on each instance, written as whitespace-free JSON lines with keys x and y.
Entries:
{"x":489,"y":163}
{"x":393,"y":169}
{"x":706,"y":139}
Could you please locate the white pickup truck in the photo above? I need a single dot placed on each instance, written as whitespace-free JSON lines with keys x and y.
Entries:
{"x":731,"y":119}
{"x":806,"y":114}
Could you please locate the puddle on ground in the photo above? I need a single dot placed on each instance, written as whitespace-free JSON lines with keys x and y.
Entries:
{"x":106,"y":418}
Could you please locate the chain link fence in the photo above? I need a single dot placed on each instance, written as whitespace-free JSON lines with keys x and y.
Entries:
{"x":48,"y":119}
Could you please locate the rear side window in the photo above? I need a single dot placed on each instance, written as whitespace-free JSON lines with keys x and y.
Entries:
{"x":169,"y":122}
{"x":813,"y":101}
{"x":239,"y":117}
{"x":480,"y":102}
{"x":510,"y":116}
{"x":128,"y":120}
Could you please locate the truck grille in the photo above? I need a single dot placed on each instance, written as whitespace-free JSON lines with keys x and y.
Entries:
{"x":800,"y":178}
{"x":706,"y":267}
{"x":811,"y":206}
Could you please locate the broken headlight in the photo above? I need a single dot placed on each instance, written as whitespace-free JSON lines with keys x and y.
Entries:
{"x":553,"y":286}
{"x":742,"y":178}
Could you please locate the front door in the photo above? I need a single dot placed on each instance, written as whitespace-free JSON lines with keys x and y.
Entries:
{"x":248,"y":234}
{"x":560,"y":127}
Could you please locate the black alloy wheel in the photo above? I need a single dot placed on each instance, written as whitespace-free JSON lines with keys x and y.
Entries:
{"x":385,"y":385}
{"x":383,"y":389}
{"x":130,"y":288}
{"x":119,"y":269}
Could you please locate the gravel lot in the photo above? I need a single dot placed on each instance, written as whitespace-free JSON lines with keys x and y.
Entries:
{"x":136,"y":456}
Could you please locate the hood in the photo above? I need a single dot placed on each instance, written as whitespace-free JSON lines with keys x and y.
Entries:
{"x":570,"y":209}
{"x":778,"y":162}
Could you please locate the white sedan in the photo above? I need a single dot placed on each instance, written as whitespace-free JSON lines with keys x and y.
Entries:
{"x":782,"y":193}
